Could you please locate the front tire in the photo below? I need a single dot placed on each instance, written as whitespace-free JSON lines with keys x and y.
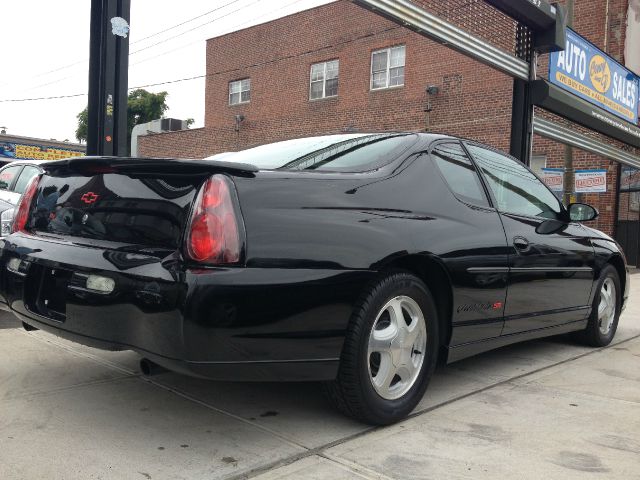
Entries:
{"x":605,"y":311}
{"x":390,"y":352}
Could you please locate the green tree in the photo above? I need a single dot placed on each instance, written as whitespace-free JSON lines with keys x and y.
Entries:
{"x":142,"y":107}
{"x":83,"y":125}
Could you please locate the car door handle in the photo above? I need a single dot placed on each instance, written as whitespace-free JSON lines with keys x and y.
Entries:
{"x":521,"y":243}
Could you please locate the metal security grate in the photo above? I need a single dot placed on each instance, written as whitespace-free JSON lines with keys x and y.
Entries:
{"x":560,"y":129}
{"x":524,"y":41}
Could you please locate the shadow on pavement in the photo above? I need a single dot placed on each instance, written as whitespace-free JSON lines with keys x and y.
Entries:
{"x":8,"y":320}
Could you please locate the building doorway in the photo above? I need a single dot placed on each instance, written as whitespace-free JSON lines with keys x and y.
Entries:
{"x":628,"y":221}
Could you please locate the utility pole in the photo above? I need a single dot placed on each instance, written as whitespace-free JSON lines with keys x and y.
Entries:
{"x":108,"y":77}
{"x":568,"y":195}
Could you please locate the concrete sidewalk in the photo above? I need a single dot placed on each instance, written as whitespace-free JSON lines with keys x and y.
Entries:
{"x":545,"y":409}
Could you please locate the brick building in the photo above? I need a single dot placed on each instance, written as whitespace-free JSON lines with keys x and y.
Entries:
{"x":278,"y":80}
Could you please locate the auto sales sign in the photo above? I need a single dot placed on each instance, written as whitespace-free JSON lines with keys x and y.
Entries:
{"x":591,"y":74}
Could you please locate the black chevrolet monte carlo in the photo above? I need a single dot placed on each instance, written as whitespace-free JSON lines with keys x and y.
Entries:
{"x":358,"y":260}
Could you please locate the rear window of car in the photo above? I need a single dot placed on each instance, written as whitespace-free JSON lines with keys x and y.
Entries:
{"x":459,"y":173}
{"x":341,"y":153}
{"x":23,"y":180}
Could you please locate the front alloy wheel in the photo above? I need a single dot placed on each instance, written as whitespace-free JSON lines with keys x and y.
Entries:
{"x":608,"y":306}
{"x":605,"y":310}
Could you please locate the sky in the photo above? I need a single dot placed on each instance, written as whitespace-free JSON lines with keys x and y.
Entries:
{"x":45,"y":49}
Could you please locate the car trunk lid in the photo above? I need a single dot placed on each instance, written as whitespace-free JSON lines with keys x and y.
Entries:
{"x":140,"y":203}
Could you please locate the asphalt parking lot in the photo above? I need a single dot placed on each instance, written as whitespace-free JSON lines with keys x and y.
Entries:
{"x":544,"y":409}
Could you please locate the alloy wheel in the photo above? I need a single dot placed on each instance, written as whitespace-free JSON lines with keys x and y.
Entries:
{"x":607,"y":306}
{"x":397,"y":347}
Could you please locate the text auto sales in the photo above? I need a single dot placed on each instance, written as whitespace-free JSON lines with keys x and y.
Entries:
{"x":573,"y":61}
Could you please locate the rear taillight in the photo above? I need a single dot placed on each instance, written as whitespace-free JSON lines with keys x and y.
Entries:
{"x":24,"y":205}
{"x":213,"y":236}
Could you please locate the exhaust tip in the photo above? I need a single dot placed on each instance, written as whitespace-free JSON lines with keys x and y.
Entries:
{"x":149,"y":368}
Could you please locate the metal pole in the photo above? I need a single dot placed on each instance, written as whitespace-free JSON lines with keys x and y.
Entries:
{"x":568,"y":195}
{"x":108,"y":77}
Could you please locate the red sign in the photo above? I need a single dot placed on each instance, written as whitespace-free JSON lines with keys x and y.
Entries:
{"x":591,"y":181}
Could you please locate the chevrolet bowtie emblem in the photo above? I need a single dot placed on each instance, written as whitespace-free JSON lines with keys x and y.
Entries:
{"x":89,"y":197}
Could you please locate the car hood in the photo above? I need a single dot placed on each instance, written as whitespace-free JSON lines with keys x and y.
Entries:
{"x":593,"y":233}
{"x":5,"y":205}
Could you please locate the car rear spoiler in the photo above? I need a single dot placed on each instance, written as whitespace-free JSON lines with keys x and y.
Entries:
{"x":144,"y":167}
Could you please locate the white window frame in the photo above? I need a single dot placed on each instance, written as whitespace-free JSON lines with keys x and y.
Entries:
{"x":240,"y":91}
{"x":324,"y":79}
{"x":388,"y":50}
{"x":538,"y":159}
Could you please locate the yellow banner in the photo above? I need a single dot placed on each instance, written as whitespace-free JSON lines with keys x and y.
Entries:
{"x":578,"y":87}
{"x":44,"y":153}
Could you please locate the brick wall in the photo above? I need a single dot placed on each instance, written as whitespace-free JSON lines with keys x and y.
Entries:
{"x":474,"y":101}
{"x":278,"y":61}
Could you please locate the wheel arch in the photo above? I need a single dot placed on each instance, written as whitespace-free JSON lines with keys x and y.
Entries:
{"x":617,"y":262}
{"x":434,"y":274}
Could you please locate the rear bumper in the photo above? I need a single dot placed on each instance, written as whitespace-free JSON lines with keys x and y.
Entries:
{"x":225,"y":323}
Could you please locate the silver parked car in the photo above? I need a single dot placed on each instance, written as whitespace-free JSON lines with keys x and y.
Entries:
{"x":14,"y":178}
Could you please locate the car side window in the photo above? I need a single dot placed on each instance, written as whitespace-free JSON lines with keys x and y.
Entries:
{"x":23,"y":180}
{"x":514,"y":187}
{"x":459,"y":173}
{"x":7,"y":175}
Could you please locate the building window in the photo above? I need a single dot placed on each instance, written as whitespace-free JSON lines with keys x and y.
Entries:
{"x":387,"y":67}
{"x":240,"y":91}
{"x":538,"y":162}
{"x":324,"y":79}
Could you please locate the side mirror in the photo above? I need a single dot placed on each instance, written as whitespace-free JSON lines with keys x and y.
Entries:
{"x":581,"y":212}
{"x":550,"y":226}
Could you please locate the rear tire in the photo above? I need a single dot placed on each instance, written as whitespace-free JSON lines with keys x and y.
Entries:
{"x":389,"y":353}
{"x":605,"y":311}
